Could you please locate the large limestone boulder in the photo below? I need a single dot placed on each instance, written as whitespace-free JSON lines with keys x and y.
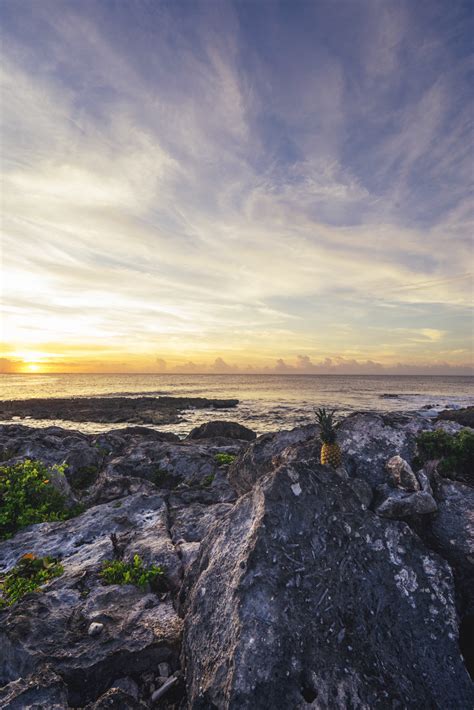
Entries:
{"x":53,"y":445}
{"x":88,"y":632}
{"x":263,"y":454}
{"x":369,"y":440}
{"x":300,"y":595}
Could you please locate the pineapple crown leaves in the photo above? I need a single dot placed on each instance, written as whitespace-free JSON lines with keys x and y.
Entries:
{"x":326,"y":422}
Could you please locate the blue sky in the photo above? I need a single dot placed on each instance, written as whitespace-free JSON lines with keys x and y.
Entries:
{"x":223,"y":186}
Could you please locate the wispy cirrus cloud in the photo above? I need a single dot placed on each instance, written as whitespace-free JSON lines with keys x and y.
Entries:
{"x":202,"y":182}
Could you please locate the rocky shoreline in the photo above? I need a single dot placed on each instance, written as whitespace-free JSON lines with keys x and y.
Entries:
{"x":111,"y":410}
{"x":288,"y":585}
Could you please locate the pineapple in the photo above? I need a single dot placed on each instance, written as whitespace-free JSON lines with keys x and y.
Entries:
{"x":330,"y":451}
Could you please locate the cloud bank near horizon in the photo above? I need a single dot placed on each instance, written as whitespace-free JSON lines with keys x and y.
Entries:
{"x":303,"y":365}
{"x":244,"y":178}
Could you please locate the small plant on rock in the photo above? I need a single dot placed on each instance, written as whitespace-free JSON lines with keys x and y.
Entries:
{"x":224,"y":459}
{"x":27,"y":496}
{"x":135,"y":572}
{"x":28,"y":575}
{"x":207,"y":480}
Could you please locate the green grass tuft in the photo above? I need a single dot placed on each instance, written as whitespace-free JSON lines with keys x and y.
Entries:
{"x":28,"y":575}
{"x":135,"y":572}
{"x":224,"y":459}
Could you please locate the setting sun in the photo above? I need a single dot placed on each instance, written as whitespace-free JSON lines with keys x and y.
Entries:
{"x":33,"y":367}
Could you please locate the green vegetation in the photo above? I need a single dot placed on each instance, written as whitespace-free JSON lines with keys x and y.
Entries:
{"x":207,"y":480}
{"x":120,"y":572}
{"x":164,"y":479}
{"x":27,"y":496}
{"x":456,"y":452}
{"x":224,"y":459}
{"x":29,"y":574}
{"x":84,"y":477}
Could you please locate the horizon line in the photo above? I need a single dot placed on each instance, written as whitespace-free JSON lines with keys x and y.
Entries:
{"x":239,"y":374}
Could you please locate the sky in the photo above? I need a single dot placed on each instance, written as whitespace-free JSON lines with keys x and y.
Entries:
{"x":251,"y":186}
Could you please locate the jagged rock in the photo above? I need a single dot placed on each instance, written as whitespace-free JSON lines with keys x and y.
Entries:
{"x":128,"y":686}
{"x":117,"y":699}
{"x":192,"y":523}
{"x":368,"y":440}
{"x":300,"y":533}
{"x":300,"y":598}
{"x":53,"y":445}
{"x":260,"y":457}
{"x":402,"y":474}
{"x":139,"y":628}
{"x":362,"y":490}
{"x":465,"y":416}
{"x":188,"y":552}
{"x":222,"y":429}
{"x":110,"y":487}
{"x":45,"y":690}
{"x":399,"y":504}
{"x":165,"y":464}
{"x":451,"y":533}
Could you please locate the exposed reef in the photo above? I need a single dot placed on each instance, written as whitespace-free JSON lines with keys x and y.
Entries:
{"x":113,"y":410}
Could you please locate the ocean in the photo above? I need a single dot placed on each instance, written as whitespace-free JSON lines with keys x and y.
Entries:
{"x":267,"y":402}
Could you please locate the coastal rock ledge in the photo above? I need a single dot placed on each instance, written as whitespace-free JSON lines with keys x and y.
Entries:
{"x":284,"y":588}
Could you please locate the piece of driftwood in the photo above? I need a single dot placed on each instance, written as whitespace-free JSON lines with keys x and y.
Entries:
{"x":164,"y":688}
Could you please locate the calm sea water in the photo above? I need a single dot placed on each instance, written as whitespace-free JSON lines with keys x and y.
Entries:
{"x":267,"y":402}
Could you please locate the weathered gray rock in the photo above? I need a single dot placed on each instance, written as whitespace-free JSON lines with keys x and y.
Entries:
{"x":362,"y":490}
{"x":262,"y":455}
{"x":402,"y":474}
{"x":40,"y":691}
{"x":128,"y":686}
{"x":53,"y":446}
{"x":369,"y":440}
{"x":298,"y":598}
{"x":120,"y":463}
{"x":465,"y":416}
{"x":451,"y":533}
{"x":298,"y":564}
{"x":139,"y":628}
{"x":222,"y":429}
{"x":117,"y":699}
{"x":399,"y":505}
{"x":165,"y":464}
{"x":192,"y":523}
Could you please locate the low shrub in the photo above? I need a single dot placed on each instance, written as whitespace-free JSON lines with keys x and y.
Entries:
{"x":455,"y":452}
{"x":135,"y":572}
{"x":224,"y":459}
{"x":27,"y":496}
{"x":28,"y":575}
